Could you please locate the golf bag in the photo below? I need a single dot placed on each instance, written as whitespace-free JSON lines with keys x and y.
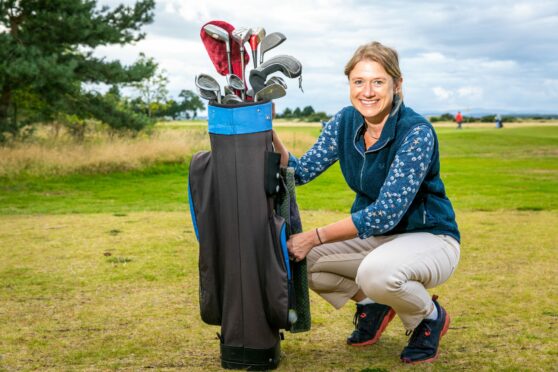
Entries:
{"x":246,"y":278}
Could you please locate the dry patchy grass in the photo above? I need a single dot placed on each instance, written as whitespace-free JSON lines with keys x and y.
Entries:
{"x":100,"y":155}
{"x":98,"y":292}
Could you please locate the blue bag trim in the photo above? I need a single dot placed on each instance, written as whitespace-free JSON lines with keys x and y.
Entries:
{"x":192,"y":212}
{"x":285,"y":250}
{"x":244,"y":119}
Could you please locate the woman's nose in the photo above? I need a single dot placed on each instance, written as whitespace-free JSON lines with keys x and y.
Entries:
{"x":367,"y":90}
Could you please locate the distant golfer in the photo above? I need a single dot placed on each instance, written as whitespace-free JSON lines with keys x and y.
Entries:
{"x":401,"y":236}
{"x":459,"y":119}
{"x":499,"y":122}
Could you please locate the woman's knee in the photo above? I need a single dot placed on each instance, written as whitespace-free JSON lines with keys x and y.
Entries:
{"x":311,"y":259}
{"x":379,"y":279}
{"x":324,"y":282}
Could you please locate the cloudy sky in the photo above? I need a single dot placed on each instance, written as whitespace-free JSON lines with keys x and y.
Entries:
{"x":455,"y":55}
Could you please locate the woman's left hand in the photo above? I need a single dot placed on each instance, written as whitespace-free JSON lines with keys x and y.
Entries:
{"x":300,"y":244}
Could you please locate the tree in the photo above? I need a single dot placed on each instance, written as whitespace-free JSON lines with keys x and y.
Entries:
{"x":307,"y":111}
{"x":191,"y":102}
{"x":46,"y":56}
{"x":152,"y":90}
{"x":287,"y":113}
{"x":297,"y":113}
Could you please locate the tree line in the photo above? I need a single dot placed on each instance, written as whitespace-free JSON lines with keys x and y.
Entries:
{"x":48,"y":66}
{"x":307,"y":114}
{"x":472,"y":119}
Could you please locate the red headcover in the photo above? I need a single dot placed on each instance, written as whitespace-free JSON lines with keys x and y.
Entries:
{"x":217,"y":50}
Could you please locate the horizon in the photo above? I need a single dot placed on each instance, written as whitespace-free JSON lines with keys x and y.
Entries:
{"x":452,"y":56}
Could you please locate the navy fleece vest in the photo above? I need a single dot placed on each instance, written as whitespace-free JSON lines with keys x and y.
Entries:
{"x":365,"y":172}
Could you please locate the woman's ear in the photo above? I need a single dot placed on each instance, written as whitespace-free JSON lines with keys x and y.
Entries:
{"x":398,"y":85}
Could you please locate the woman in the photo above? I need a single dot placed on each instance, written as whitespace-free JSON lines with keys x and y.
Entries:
{"x":401,"y":237}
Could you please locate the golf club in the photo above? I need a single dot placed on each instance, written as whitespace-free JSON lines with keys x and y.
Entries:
{"x":236,"y":83}
{"x":207,"y":94}
{"x":228,"y":90}
{"x":270,"y":92}
{"x":221,"y":34}
{"x":257,"y":36}
{"x":232,"y":99}
{"x":269,"y":42}
{"x":241,"y":35}
{"x":287,"y":65}
{"x":206,"y":82}
{"x":277,"y":80}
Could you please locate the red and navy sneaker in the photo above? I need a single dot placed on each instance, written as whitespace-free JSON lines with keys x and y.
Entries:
{"x":370,"y":321}
{"x":425,"y":341}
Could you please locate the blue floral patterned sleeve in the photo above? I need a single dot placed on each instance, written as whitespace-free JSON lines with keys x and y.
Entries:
{"x":404,"y":178}
{"x":320,"y":157}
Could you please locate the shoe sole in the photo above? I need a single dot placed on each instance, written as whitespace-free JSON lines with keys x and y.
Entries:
{"x":444,"y":331}
{"x":388,"y":318}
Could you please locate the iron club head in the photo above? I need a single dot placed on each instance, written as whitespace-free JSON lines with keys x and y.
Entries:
{"x":206,"y":82}
{"x":269,"y":92}
{"x":232,"y":99}
{"x":236,"y":83}
{"x":277,"y":80}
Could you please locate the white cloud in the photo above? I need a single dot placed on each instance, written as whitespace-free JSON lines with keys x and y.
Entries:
{"x":442,"y":93}
{"x":189,"y":10}
{"x":466,"y":92}
{"x":451,"y":53}
{"x":433,"y":57}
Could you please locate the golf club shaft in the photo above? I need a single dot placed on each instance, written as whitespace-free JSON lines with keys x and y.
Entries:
{"x":255,"y":56}
{"x":228,"y":45}
{"x":242,"y":65}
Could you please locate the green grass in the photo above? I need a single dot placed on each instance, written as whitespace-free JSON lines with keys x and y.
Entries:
{"x":68,"y":305}
{"x":99,"y":271}
{"x":483,"y":169}
{"x":159,"y":188}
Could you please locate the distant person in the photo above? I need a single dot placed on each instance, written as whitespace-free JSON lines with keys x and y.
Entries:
{"x":499,"y":123}
{"x":401,"y":237}
{"x":459,"y":119}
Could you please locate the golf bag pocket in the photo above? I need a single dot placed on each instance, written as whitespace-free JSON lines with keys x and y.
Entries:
{"x":204,"y":220}
{"x":276,"y":287}
{"x":272,"y":173}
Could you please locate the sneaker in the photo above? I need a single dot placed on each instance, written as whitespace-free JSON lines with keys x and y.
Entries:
{"x":370,"y":321}
{"x":425,"y":340}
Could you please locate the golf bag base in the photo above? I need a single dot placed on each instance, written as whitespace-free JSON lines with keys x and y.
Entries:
{"x":233,"y":357}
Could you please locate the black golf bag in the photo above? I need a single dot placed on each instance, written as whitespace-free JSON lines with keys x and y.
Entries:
{"x":248,"y":286}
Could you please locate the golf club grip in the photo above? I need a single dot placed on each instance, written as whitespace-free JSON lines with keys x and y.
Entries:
{"x":288,"y":65}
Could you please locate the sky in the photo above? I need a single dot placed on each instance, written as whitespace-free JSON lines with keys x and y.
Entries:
{"x":492,"y":55}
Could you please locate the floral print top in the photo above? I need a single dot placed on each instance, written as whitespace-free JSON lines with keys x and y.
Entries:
{"x":402,"y":183}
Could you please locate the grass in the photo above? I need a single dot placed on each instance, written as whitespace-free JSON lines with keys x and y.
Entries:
{"x":75,"y":295}
{"x":99,"y":267}
{"x":46,"y":156}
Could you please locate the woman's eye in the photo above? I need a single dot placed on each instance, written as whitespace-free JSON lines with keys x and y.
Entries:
{"x":358,"y":83}
{"x":377,"y":83}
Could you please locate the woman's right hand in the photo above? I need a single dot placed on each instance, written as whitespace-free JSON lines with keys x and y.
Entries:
{"x":280,"y":148}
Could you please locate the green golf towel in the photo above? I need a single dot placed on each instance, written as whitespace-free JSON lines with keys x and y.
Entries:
{"x":288,"y":209}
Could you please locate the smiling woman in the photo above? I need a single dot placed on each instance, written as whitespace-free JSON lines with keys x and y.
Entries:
{"x":401,"y":236}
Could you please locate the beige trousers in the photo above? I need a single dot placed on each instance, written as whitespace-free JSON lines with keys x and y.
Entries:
{"x":392,"y":270}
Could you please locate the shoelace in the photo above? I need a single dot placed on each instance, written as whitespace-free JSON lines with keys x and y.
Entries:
{"x":355,"y":319}
{"x":358,"y":315}
{"x":422,"y":329}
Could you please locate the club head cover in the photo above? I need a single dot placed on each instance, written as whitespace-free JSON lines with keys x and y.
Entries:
{"x":217,"y":50}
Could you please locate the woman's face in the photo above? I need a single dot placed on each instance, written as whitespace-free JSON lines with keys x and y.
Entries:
{"x":371,"y":91}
